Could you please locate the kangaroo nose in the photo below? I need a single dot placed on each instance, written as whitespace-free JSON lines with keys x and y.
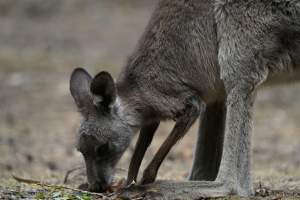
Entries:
{"x":98,"y":187}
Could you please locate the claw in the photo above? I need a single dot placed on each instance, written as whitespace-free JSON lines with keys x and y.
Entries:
{"x":132,"y":184}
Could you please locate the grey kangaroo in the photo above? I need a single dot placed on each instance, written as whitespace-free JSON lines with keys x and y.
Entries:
{"x":215,"y":53}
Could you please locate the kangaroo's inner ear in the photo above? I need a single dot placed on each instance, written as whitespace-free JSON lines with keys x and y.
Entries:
{"x":80,"y":88}
{"x":104,"y":89}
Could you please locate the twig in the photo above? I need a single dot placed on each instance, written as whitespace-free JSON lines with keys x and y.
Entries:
{"x":111,"y":196}
{"x":70,"y":172}
{"x":35,"y":182}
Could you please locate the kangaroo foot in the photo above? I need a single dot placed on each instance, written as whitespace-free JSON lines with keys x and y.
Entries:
{"x":177,"y":190}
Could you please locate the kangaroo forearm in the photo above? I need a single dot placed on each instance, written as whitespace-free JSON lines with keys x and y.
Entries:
{"x":146,"y":135}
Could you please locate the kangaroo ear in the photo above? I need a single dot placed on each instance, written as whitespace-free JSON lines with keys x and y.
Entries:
{"x":80,"y":87}
{"x":104,"y":89}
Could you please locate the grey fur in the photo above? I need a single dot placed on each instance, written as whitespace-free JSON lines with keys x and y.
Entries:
{"x":213,"y":52}
{"x":103,"y":136}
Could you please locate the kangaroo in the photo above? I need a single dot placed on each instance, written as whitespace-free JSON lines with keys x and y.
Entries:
{"x":215,"y":53}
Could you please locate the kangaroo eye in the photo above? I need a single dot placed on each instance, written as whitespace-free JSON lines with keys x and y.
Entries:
{"x":103,"y":149}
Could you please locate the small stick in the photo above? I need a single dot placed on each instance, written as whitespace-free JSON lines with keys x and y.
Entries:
{"x":70,"y":172}
{"x":35,"y":182}
{"x":111,"y":196}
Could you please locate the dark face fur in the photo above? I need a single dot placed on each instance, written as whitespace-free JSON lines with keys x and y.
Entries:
{"x":103,"y":136}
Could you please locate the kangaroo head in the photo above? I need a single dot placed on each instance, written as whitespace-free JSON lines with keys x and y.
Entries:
{"x":103,"y":136}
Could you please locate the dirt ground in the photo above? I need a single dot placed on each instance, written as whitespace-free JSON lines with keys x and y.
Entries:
{"x":40,"y":44}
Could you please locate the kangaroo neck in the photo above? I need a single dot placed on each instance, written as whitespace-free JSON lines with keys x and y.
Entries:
{"x":128,"y":105}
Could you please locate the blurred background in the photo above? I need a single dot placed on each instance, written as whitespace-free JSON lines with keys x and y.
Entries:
{"x":41,"y":42}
